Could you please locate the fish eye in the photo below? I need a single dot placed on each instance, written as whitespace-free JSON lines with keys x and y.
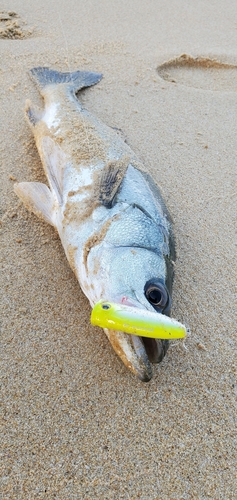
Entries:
{"x":156,"y":294}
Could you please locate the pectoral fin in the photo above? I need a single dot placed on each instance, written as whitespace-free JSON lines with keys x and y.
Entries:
{"x":37,"y":198}
{"x":111,"y":180}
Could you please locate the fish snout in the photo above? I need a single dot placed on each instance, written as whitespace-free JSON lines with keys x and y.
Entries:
{"x":139,"y":337}
{"x":155,"y":350}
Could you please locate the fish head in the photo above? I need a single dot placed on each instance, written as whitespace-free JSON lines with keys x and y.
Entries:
{"x":140,"y":278}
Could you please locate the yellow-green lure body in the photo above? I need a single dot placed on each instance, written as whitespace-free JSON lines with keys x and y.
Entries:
{"x":136,"y":321}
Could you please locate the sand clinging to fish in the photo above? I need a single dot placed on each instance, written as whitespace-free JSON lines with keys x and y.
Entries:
{"x":109,"y":214}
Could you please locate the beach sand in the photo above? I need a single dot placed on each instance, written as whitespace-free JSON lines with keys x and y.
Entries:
{"x":76,"y":424}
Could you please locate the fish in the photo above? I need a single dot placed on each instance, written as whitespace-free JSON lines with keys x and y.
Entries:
{"x":110,"y":215}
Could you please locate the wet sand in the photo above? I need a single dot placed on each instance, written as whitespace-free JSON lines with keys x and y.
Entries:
{"x":76,"y":424}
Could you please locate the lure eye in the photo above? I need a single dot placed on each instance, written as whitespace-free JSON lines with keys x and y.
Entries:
{"x":156,"y":294}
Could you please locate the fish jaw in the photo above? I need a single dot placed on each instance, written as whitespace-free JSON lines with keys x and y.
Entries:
{"x":131,"y":351}
{"x":136,"y":352}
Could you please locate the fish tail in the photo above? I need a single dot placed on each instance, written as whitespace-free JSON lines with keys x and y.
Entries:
{"x":75,"y":80}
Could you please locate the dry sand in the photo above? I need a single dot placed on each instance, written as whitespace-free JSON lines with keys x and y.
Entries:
{"x":76,"y":424}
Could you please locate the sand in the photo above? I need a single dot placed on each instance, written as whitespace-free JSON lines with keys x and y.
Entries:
{"x":76,"y":424}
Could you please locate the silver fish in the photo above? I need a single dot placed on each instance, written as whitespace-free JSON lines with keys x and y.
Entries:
{"x":109,"y":214}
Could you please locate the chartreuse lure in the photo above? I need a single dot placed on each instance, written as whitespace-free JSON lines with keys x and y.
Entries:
{"x":136,"y":321}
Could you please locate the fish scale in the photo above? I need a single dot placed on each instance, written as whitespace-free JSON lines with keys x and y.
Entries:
{"x":135,"y":229}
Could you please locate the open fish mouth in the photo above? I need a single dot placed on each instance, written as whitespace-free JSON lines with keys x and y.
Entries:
{"x":137,"y":353}
{"x":139,"y":337}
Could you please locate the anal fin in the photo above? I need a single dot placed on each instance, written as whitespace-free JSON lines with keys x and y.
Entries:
{"x":37,"y":198}
{"x":33,"y":114}
{"x":55,"y":163}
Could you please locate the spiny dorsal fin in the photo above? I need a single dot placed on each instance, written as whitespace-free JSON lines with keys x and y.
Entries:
{"x":76,"y":80}
{"x":37,"y":198}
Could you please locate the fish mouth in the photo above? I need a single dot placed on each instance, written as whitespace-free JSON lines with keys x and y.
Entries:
{"x":137,"y":352}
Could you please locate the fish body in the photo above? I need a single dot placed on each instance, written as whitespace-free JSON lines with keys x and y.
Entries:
{"x":110,"y":215}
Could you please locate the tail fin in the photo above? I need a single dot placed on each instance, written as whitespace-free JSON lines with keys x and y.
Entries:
{"x":76,"y":80}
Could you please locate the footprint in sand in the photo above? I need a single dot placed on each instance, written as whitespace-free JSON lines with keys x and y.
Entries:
{"x":200,"y":73}
{"x":11,"y":26}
